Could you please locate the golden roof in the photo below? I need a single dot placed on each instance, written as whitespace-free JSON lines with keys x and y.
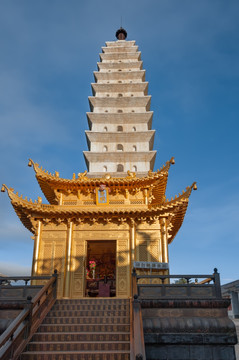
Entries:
{"x":30,"y":212}
{"x":51,"y":183}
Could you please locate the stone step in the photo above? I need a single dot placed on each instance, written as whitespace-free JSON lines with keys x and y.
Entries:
{"x":90,"y":301}
{"x":79,"y":346}
{"x":85,"y":313}
{"x":87,"y":320}
{"x":81,"y":336}
{"x":84,"y":328}
{"x":90,"y":307}
{"x":76,"y":355}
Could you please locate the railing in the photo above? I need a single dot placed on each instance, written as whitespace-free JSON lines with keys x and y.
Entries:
{"x":15,"y":289}
{"x":185,"y":287}
{"x":19,"y":332}
{"x":136,"y":324}
{"x":161,"y":286}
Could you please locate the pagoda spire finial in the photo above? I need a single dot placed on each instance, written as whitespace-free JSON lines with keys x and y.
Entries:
{"x":121,"y":34}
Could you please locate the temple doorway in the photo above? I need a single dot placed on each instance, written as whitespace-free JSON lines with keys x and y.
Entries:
{"x":101,"y":268}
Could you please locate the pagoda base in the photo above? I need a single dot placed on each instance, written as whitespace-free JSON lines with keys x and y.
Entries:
{"x":188,"y":330}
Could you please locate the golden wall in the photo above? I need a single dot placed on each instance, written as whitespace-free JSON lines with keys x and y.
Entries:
{"x":64,"y":247}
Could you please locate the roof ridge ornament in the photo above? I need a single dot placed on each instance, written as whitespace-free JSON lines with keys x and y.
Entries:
{"x":172,"y":160}
{"x":185,"y":193}
{"x":3,"y":188}
{"x":82,"y":176}
{"x":35,"y":165}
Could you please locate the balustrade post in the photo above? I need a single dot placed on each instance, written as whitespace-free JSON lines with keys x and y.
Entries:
{"x":217,"y":284}
{"x":55,"y":275}
{"x":134,"y":283}
{"x":139,"y":348}
{"x":163,"y":293}
{"x":28,"y":319}
{"x":139,"y":357}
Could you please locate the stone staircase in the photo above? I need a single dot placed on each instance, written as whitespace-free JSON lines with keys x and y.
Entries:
{"x":86,"y":329}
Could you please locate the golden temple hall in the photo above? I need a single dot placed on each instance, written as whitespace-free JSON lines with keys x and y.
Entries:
{"x":113,"y":217}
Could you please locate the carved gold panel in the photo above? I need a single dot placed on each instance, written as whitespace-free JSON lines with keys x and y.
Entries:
{"x":52,"y":256}
{"x":78,"y":265}
{"x":123,"y":268}
{"x":148,"y":248}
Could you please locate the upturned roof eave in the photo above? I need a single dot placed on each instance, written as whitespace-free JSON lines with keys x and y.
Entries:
{"x":49,"y":183}
{"x":55,"y":182}
{"x":29,"y":213}
{"x":181,"y":201}
{"x":173,"y":210}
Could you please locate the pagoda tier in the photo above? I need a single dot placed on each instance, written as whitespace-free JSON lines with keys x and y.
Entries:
{"x":120,"y":136}
{"x":30,"y":213}
{"x":123,"y":137}
{"x":122,"y":65}
{"x":139,"y":89}
{"x":123,"y":57}
{"x":144,"y":120}
{"x":141,"y":102}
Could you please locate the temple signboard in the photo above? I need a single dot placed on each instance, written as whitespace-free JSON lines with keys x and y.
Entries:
{"x":150,"y":265}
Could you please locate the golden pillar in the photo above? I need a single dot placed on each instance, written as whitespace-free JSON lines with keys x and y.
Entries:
{"x":36,"y":249}
{"x":68,"y":261}
{"x":132,"y":236}
{"x":163,"y":226}
{"x":145,"y":192}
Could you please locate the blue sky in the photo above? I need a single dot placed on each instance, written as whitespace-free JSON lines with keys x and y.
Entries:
{"x":190,"y":51}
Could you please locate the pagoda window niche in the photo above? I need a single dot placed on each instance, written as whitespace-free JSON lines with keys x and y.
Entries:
{"x":105,"y":128}
{"x":105,"y":148}
{"x":134,"y":168}
{"x":134,"y":128}
{"x":134,"y":148}
{"x":120,"y":147}
{"x":104,"y":168}
{"x":119,"y":128}
{"x":120,"y":168}
{"x":120,"y":111}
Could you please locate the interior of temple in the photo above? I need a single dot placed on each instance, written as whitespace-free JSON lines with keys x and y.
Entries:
{"x":101,"y":268}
